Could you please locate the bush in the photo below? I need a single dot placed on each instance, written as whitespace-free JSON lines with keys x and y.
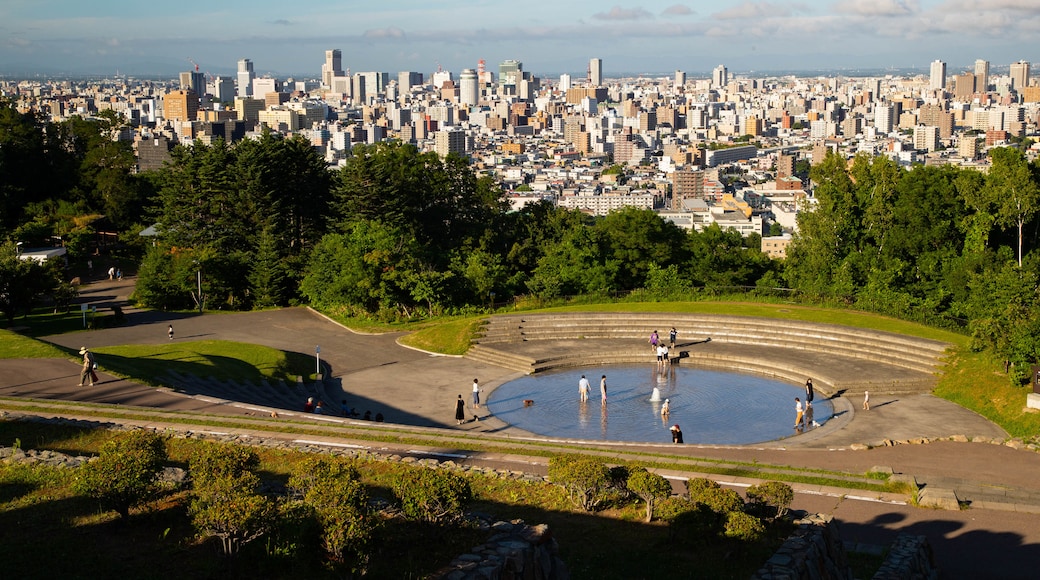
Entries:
{"x":583,"y":478}
{"x":226,"y":502}
{"x":771,"y":499}
{"x":649,"y":486}
{"x":124,"y":474}
{"x":742,"y":526}
{"x":333,"y":490}
{"x":432,"y":495}
{"x":688,"y":521}
{"x":711,"y":494}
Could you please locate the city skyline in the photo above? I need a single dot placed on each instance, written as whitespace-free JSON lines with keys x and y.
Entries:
{"x":75,"y":38}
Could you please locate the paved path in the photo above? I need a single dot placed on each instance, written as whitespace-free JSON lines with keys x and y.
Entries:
{"x":415,"y":388}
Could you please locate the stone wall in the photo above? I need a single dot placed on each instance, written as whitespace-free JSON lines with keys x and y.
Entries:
{"x":813,"y":552}
{"x":516,"y":552}
{"x":909,"y":557}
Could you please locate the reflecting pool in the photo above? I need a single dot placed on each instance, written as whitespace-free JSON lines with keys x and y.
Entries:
{"x":711,"y":407}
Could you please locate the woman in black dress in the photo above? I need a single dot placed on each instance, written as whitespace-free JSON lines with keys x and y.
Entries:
{"x":460,"y":410}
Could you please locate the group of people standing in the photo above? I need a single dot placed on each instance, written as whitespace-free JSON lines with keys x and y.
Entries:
{"x":660,"y":348}
{"x":584,"y":387}
{"x":803,"y":418}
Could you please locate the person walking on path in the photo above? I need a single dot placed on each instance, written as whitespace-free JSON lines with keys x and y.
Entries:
{"x":170,"y":332}
{"x":809,"y":421}
{"x":603,"y":388}
{"x":672,"y":335}
{"x":797,"y":413}
{"x":583,"y":389}
{"x":460,"y":411}
{"x":866,"y":400}
{"x":808,"y":390}
{"x":86,"y":376}
{"x":653,"y":340}
{"x":112,"y":273}
{"x":476,"y":394}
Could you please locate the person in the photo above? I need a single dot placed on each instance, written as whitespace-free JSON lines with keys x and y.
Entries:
{"x":344,"y":408}
{"x":111,"y":272}
{"x":866,"y":400}
{"x":653,"y":340}
{"x":90,"y":267}
{"x":308,"y":407}
{"x":603,"y":388}
{"x":460,"y":411}
{"x":665,"y":408}
{"x":379,"y":417}
{"x":808,"y":390}
{"x":676,"y":434}
{"x":661,"y":351}
{"x":583,"y":389}
{"x":798,"y":413}
{"x":809,"y":422}
{"x":119,"y":274}
{"x":319,"y":408}
{"x":170,"y":332}
{"x":476,"y":394}
{"x":86,"y":376}
{"x":368,"y":415}
{"x":672,"y":335}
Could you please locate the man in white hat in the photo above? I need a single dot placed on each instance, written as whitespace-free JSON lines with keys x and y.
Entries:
{"x":86,"y":376}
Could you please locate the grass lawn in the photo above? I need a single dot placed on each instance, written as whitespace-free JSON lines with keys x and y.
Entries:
{"x":974,"y":381}
{"x":14,"y":345}
{"x":219,"y":359}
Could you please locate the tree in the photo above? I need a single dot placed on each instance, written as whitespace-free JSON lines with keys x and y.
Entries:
{"x":333,"y":490}
{"x":770,"y":496}
{"x":124,"y":474}
{"x":23,"y":282}
{"x":651,"y":487}
{"x":583,"y":478}
{"x":432,"y":495}
{"x":225,"y":502}
{"x":1012,"y":189}
{"x":634,"y":239}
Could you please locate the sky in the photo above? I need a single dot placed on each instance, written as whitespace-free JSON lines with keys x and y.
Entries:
{"x":103,"y":37}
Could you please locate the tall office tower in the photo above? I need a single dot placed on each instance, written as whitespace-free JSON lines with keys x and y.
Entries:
{"x":964,"y":86}
{"x":565,"y":83}
{"x":719,"y":76}
{"x":937,"y":76}
{"x":450,"y":141}
{"x":883,"y":118}
{"x":680,"y":78}
{"x":469,"y":90}
{"x":193,"y":81}
{"x":1019,"y":75}
{"x":245,"y":78}
{"x":182,"y":105}
{"x":981,"y":75}
{"x":333,"y":67}
{"x":222,"y":89}
{"x":408,"y":79}
{"x":596,"y":72}
{"x":510,"y":73}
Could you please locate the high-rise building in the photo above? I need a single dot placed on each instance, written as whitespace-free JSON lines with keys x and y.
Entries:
{"x":510,"y":73}
{"x":408,"y":79}
{"x":883,"y":118}
{"x":450,"y":141}
{"x":981,"y":75}
{"x":937,"y":75}
{"x":596,"y":72}
{"x":680,"y":78}
{"x":333,"y":67}
{"x":964,"y":86}
{"x":469,"y":89}
{"x":1020,"y":75}
{"x":182,"y":105}
{"x":193,"y":81}
{"x":719,"y":76}
{"x":245,"y":78}
{"x":565,"y":83}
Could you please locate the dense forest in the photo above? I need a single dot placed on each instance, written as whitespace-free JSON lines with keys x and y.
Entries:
{"x":397,"y":233}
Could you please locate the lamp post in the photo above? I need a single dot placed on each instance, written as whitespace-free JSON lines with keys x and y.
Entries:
{"x":317,"y":362}
{"x":200,"y":289}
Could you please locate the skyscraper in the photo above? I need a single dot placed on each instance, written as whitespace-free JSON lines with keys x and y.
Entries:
{"x":680,"y":78}
{"x":596,"y":72}
{"x":719,"y":76}
{"x":245,"y":78}
{"x":510,"y":73}
{"x":469,"y":91}
{"x":937,"y":75}
{"x":333,"y":67}
{"x":1020,"y":75}
{"x":981,"y":75}
{"x":883,"y":118}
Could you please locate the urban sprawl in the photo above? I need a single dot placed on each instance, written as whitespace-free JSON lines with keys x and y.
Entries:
{"x":723,"y":150}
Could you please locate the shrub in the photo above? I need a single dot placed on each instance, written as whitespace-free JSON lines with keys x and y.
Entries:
{"x":124,"y":474}
{"x":226,"y":503}
{"x":711,"y":494}
{"x":432,"y":495}
{"x":649,"y":486}
{"x":333,"y":490}
{"x":688,"y":521}
{"x":770,"y":499}
{"x":583,"y":478}
{"x":742,"y":526}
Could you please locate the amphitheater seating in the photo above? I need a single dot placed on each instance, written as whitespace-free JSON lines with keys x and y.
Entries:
{"x":840,"y":359}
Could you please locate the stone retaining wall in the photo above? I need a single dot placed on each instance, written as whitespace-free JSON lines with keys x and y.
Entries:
{"x":910,"y":557}
{"x":813,"y":552}
{"x":516,"y":552}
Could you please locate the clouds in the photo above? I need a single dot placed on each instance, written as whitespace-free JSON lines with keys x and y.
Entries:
{"x":619,"y":13}
{"x":883,"y":8}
